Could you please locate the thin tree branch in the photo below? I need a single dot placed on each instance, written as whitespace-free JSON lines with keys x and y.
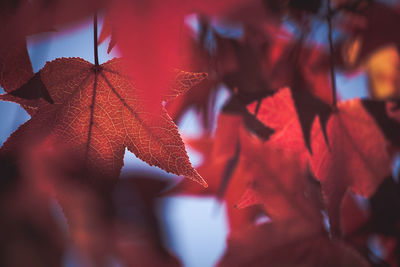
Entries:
{"x":331,"y":55}
{"x":96,"y":55}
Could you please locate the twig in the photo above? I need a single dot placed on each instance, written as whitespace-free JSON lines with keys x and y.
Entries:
{"x":331,"y":55}
{"x":96,"y":55}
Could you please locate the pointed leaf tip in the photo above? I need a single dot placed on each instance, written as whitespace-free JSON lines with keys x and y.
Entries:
{"x":197,"y":178}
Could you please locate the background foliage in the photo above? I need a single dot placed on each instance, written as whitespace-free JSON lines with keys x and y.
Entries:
{"x":306,"y":171}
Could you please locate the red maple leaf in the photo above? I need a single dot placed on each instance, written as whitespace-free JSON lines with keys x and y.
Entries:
{"x":106,"y":32}
{"x":356,"y":157}
{"x":98,"y":111}
{"x":288,"y":243}
{"x":277,"y":179}
{"x":279,"y":113}
{"x":296,"y":235}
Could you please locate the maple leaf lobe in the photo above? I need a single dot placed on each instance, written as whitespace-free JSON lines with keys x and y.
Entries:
{"x":33,"y":89}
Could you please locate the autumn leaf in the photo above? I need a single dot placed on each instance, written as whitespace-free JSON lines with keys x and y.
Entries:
{"x":148,"y":38}
{"x":355,"y":159}
{"x":309,"y":86}
{"x":97,"y":112}
{"x":289,"y":243}
{"x":15,"y":65}
{"x":295,"y":234}
{"x":278,"y":180}
{"x":278,"y":112}
{"x":106,"y":32}
{"x":24,"y":17}
{"x":304,"y":68}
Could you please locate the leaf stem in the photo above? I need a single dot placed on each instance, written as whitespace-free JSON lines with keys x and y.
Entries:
{"x":331,"y":55}
{"x":96,"y":55}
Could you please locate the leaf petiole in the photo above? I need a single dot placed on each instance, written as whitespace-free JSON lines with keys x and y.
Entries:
{"x":96,"y":55}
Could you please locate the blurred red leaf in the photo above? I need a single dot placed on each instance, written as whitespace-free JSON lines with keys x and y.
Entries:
{"x":288,"y":243}
{"x":278,"y":180}
{"x":148,"y":37}
{"x":295,"y":236}
{"x":28,"y":225}
{"x":106,"y":32}
{"x":23,"y":17}
{"x":15,"y":65}
{"x":355,"y":159}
